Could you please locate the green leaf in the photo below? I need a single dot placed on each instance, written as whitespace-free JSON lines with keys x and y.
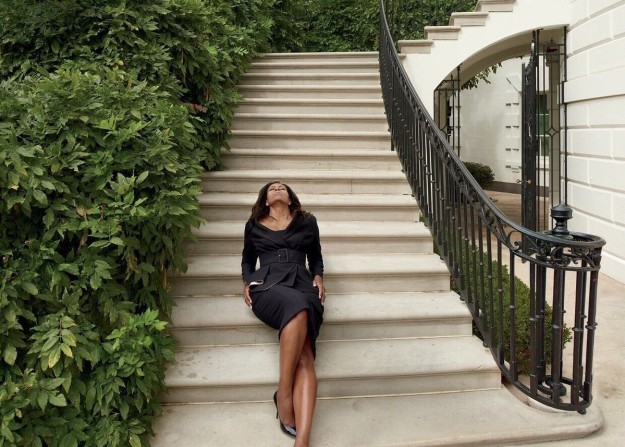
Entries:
{"x":117,"y":241}
{"x":48,"y":219}
{"x":58,"y":400}
{"x":123,"y":410}
{"x":69,"y":440}
{"x":30,"y":288}
{"x":134,"y":440}
{"x":69,"y":268}
{"x":142,"y":177}
{"x":53,"y":384}
{"x":48,"y":185}
{"x":95,"y":281}
{"x":7,"y":433}
{"x":55,"y":356}
{"x":40,"y":197}
{"x":42,"y":399}
{"x":67,"y":350}
{"x":10,"y":354}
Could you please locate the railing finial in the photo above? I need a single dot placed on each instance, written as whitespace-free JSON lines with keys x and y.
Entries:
{"x":561,"y":214}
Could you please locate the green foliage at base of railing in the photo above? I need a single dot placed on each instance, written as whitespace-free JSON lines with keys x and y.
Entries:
{"x":108,"y":110}
{"x":522,"y":303}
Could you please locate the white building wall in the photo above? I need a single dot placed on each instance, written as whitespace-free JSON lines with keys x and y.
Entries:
{"x":495,"y":107}
{"x":595,"y":93}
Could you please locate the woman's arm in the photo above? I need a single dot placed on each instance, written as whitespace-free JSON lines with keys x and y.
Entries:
{"x":315,"y":259}
{"x":249,"y":255}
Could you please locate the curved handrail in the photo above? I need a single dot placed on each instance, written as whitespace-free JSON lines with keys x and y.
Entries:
{"x":463,"y":220}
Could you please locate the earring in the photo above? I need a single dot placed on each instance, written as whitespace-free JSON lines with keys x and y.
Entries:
{"x":266,"y":203}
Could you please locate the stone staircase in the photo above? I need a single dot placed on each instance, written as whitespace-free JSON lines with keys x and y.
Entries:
{"x":497,"y":30}
{"x":397,"y":363}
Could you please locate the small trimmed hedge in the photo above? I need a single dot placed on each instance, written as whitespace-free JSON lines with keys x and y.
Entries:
{"x":483,"y":174}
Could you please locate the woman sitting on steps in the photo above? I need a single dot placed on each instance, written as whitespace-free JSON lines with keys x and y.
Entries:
{"x":287,"y":296}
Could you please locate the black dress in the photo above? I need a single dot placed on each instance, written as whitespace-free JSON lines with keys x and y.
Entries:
{"x":282,"y":286}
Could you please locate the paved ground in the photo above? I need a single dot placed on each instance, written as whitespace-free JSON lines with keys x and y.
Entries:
{"x":609,"y":368}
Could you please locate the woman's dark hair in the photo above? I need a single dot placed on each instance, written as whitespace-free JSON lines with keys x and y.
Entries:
{"x":260,"y":210}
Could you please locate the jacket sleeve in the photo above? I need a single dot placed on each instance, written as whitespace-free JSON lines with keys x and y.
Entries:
{"x":249,"y":256}
{"x":315,"y":259}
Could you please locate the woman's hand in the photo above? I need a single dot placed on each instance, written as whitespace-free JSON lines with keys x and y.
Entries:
{"x":318,"y":282}
{"x":246,"y":295}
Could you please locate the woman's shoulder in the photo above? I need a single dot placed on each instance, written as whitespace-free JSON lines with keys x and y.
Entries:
{"x":306,"y":217}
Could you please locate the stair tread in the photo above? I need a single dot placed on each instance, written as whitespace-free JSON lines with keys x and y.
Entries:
{"x":328,"y":229}
{"x":312,"y":200}
{"x":320,"y":174}
{"x":226,"y":311}
{"x":304,"y":134}
{"x":309,"y":116}
{"x":215,"y":365}
{"x":329,"y":54}
{"x":488,"y":417}
{"x":309,"y":75}
{"x":313,"y":64}
{"x":325,"y":153}
{"x":341,"y":101}
{"x":313,"y":87}
{"x":399,"y":264}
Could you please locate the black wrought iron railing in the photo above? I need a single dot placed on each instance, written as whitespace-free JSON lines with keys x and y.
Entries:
{"x":476,"y":239}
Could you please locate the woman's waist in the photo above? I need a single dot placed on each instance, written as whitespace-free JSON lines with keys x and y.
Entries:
{"x":282,"y":256}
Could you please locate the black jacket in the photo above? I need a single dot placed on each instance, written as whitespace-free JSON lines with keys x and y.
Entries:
{"x":301,"y":235}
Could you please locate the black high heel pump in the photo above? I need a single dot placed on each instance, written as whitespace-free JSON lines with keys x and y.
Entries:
{"x":286,"y":429}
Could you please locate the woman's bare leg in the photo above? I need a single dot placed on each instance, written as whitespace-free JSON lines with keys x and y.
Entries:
{"x":292,"y":339}
{"x":305,"y":394}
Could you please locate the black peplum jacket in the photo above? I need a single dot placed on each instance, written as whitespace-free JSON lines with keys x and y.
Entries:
{"x":282,"y":254}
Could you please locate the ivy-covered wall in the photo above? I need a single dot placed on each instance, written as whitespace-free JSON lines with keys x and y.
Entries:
{"x":109,"y":111}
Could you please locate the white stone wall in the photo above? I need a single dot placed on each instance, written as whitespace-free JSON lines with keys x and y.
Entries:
{"x":595,"y":93}
{"x":497,"y":108}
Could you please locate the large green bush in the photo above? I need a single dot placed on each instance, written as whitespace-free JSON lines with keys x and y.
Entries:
{"x":353,"y":25}
{"x":108,"y":109}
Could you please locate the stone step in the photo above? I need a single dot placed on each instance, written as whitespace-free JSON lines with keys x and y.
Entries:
{"x":318,"y":159}
{"x":347,"y":57}
{"x":225,"y":320}
{"x":310,"y":122}
{"x":263,"y":66}
{"x":468,"y":18}
{"x":315,"y":182}
{"x":344,"y":369}
{"x":422,"y":46}
{"x":315,"y":91}
{"x":226,"y":237}
{"x":306,"y":140}
{"x":478,"y":418}
{"x":442,"y":32}
{"x":495,"y":5}
{"x":350,"y":273}
{"x":312,"y":106}
{"x":371,"y":79}
{"x":368,"y":207}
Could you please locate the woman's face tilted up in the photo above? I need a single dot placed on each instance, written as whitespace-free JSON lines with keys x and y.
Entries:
{"x":277,"y":192}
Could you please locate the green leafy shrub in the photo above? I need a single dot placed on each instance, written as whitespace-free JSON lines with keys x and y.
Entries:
{"x":353,"y":25}
{"x":108,"y":109}
{"x":483,"y":174}
{"x":522,"y":314}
